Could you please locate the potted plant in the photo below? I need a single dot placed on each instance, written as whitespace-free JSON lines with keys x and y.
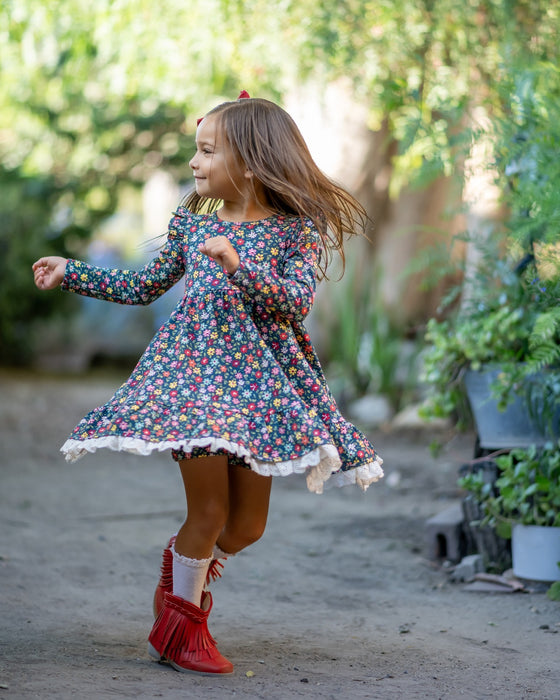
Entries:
{"x":505,"y":330}
{"x":497,"y":358}
{"x":524,"y":503}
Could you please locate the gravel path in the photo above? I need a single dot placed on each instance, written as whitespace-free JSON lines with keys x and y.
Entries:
{"x":336,"y":601}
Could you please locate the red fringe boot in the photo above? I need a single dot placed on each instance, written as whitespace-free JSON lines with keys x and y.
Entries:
{"x":180,"y":636}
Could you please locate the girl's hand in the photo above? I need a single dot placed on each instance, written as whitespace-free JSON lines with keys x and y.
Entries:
{"x":221,"y":250}
{"x":49,"y":272}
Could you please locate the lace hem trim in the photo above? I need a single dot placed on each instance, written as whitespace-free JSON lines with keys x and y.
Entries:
{"x":320,"y":464}
{"x":362,"y":476}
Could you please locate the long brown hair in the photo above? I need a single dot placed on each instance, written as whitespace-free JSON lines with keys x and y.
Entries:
{"x":270,"y":144}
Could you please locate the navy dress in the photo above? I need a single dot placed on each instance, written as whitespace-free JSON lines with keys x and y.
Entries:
{"x":233,"y":369}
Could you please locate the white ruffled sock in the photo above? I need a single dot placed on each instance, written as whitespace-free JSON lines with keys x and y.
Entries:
{"x":218,"y":553}
{"x":189,"y":576}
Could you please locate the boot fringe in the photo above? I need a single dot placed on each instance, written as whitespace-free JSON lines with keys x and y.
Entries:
{"x":214,"y":571}
{"x":173,"y":633}
{"x":166,"y":571}
{"x":165,"y":582}
{"x":180,"y":635}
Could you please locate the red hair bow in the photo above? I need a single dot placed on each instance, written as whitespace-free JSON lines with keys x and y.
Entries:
{"x":243,"y":95}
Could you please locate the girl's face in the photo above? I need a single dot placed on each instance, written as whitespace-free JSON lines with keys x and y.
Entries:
{"x":218,"y":173}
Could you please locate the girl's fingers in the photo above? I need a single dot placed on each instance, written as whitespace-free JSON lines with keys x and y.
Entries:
{"x":213,"y":248}
{"x":221,"y":250}
{"x":42,"y":262}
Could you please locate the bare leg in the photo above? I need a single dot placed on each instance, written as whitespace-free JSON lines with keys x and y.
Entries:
{"x":235,"y":522}
{"x":249,"y":497}
{"x":206,"y":482}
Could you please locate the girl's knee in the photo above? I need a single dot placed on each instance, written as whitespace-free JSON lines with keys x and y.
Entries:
{"x":210,"y":516}
{"x":240,"y":536}
{"x":252,"y":537}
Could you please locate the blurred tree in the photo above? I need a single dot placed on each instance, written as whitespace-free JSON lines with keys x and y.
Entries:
{"x":423,"y":66}
{"x":91,"y":99}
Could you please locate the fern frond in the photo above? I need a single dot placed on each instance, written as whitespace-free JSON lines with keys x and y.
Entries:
{"x":547,"y":353}
{"x":546,"y":327}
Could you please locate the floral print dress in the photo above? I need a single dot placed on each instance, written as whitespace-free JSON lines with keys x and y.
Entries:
{"x":233,"y":369}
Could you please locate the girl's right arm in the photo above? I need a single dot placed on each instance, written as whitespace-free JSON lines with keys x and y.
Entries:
{"x":120,"y":286}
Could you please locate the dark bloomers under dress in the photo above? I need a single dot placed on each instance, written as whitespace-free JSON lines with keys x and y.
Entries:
{"x":233,"y":369}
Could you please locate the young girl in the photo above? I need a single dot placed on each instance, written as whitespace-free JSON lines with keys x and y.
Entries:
{"x":231,"y":383}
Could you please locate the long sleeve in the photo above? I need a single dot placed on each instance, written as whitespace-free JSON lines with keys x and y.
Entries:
{"x":128,"y":287}
{"x":287,"y":289}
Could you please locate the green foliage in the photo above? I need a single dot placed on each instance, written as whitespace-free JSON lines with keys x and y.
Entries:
{"x":23,"y":233}
{"x":94,"y":97}
{"x":527,"y":490}
{"x":56,"y":212}
{"x":83,"y":114}
{"x":364,"y":345}
{"x":526,"y":137}
{"x":423,"y":66}
{"x":509,"y":320}
{"x":509,"y":312}
{"x":553,"y":592}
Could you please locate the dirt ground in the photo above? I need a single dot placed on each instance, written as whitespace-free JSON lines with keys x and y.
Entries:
{"x":337,"y":600}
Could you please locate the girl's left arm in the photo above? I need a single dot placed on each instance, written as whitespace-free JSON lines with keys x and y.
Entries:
{"x":289,"y":288}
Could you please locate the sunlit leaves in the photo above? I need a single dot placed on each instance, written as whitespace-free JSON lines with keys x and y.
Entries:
{"x":83,"y":85}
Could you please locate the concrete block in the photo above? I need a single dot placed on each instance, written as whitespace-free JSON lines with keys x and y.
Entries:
{"x":467,"y":568}
{"x":445,"y":535}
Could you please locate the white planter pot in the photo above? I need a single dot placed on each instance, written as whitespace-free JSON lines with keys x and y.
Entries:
{"x":535,"y":551}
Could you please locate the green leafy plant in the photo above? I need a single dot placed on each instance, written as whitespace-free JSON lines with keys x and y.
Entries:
{"x":554,"y":591}
{"x":508,"y":311}
{"x":527,"y":490}
{"x":510,"y":321}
